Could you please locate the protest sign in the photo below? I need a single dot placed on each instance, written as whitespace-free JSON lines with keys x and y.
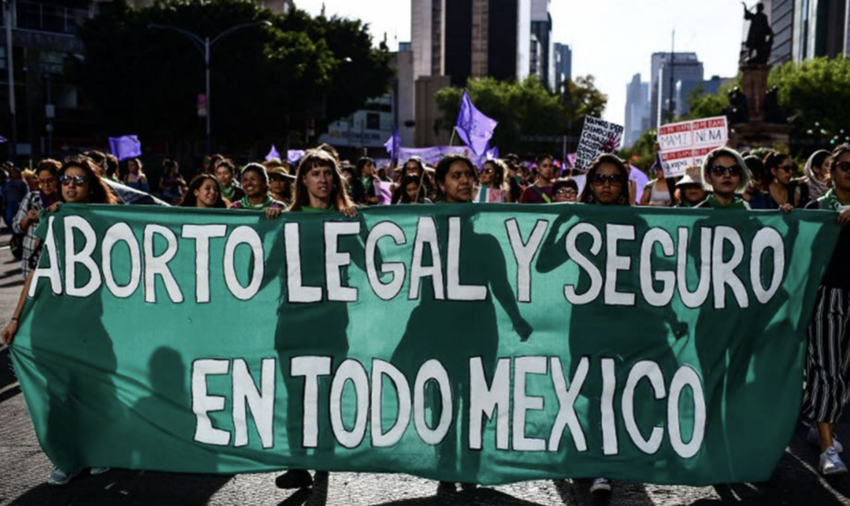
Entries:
{"x":597,"y":137}
{"x":433,"y":155}
{"x":465,"y":343}
{"x":685,"y":144}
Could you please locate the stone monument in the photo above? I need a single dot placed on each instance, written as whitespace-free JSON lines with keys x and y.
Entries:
{"x":754,"y":116}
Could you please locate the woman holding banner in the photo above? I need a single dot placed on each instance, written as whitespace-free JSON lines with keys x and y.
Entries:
{"x":255,"y":184}
{"x":66,"y":424}
{"x":828,"y":352}
{"x":725,"y":174}
{"x":607,"y":184}
{"x":447,"y":325}
{"x":319,"y":188}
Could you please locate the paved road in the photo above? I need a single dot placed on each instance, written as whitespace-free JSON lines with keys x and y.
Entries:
{"x":23,"y":470}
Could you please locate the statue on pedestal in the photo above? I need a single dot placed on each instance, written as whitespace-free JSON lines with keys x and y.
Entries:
{"x":759,"y":38}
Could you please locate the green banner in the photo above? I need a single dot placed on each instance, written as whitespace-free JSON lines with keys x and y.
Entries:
{"x":472,"y":343}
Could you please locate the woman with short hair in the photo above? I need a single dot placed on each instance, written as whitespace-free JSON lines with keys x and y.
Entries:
{"x":565,"y":190}
{"x":255,"y":185}
{"x":725,"y":175}
{"x":27,"y":217}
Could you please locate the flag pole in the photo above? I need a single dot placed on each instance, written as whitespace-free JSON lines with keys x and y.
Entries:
{"x":451,"y":141}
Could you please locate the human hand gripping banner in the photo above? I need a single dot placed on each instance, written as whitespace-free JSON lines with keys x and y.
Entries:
{"x":486,"y":343}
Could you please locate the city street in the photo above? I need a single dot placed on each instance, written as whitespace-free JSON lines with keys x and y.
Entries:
{"x":25,"y":468}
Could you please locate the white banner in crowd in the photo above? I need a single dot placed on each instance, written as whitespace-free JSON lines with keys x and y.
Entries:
{"x":685,"y":144}
{"x":597,"y":137}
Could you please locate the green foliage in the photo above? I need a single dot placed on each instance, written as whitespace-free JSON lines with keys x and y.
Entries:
{"x":524,"y":109}
{"x":642,"y":153}
{"x":265,"y":81}
{"x":816,"y":93}
{"x":707,"y":105}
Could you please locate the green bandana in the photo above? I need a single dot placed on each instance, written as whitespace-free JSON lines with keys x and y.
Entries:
{"x":248,"y":205}
{"x":737,"y":203}
{"x":830,"y":201}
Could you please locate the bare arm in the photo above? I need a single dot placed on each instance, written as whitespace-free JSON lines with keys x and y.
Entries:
{"x":12,"y":327}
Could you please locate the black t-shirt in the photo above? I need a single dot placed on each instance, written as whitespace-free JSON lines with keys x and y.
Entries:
{"x":838,"y":273}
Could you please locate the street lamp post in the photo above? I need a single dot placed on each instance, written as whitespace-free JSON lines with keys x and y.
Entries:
{"x":205,"y":46}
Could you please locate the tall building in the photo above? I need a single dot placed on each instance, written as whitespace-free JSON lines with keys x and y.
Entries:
{"x":48,"y":115}
{"x":637,"y":110}
{"x":542,"y":47}
{"x":563,"y":65}
{"x":684,"y":67}
{"x":820,"y":29}
{"x":471,"y":38}
{"x":453,"y":40}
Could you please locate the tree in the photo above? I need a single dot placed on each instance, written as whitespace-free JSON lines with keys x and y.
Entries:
{"x":524,"y":109}
{"x":641,"y":153}
{"x":265,"y":81}
{"x":816,"y":94}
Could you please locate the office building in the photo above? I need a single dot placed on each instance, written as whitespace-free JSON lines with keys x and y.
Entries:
{"x":542,"y":46}
{"x":637,"y":110}
{"x":666,"y":72}
{"x":563,"y":65}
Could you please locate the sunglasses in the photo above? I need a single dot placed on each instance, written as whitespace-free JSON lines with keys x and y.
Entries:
{"x":786,"y":168}
{"x":842,"y":166}
{"x":719,"y":170}
{"x":566,"y":191}
{"x":78,"y":180}
{"x":487,"y":171}
{"x":612,"y":179}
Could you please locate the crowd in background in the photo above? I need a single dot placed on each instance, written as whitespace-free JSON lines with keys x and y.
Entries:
{"x":321,"y":182}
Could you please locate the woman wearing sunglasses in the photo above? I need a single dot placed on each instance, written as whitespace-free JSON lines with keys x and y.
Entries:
{"x":79,"y":184}
{"x":725,"y":174}
{"x":607,"y":182}
{"x":780,"y":189}
{"x":828,"y":352}
{"x":492,"y":177}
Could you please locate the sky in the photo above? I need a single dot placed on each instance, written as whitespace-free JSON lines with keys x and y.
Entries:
{"x":610,"y":39}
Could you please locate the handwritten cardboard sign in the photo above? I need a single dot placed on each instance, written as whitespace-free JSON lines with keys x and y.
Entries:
{"x":597,"y":137}
{"x":685,"y":144}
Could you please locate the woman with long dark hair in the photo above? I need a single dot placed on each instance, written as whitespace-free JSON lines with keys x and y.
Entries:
{"x":606,"y":182}
{"x":779,"y":188}
{"x":203,"y":192}
{"x":80,"y":184}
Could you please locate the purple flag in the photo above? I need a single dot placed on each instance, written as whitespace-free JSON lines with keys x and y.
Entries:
{"x":393,"y":144}
{"x":124,"y":147}
{"x":2,"y":139}
{"x":294,"y":155}
{"x":273,"y":154}
{"x":383,"y":192}
{"x":474,"y":128}
{"x":491,"y":153}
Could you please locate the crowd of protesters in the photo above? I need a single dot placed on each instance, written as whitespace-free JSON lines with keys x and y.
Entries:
{"x":323,"y":183}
